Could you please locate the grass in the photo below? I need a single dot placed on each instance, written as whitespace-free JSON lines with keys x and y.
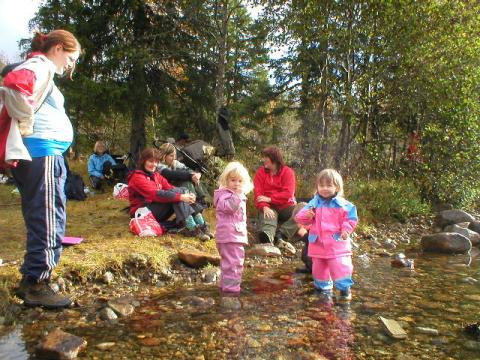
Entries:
{"x":108,"y":243}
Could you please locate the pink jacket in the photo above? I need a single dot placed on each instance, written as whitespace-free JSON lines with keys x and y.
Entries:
{"x":332,"y":217}
{"x":231,"y":211}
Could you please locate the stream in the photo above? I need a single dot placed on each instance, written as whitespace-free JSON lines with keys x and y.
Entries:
{"x":279,"y":316}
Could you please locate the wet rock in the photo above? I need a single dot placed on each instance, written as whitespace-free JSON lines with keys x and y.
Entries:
{"x":60,"y":345}
{"x":389,"y":244}
{"x":210,"y":275}
{"x":363,"y":260}
{"x":475,"y":226}
{"x":447,"y":243}
{"x":107,"y":277}
{"x":470,"y":234}
{"x":440,"y":341}
{"x":264,"y":250}
{"x":426,"y":330}
{"x":448,"y":217}
{"x":472,"y":297}
{"x":230,"y":303}
{"x":107,"y":314}
{"x":196,"y":259}
{"x":201,"y":302}
{"x":105,"y":345}
{"x":121,"y":306}
{"x":393,"y":328}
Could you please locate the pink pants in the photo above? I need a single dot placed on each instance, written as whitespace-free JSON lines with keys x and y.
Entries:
{"x":232,"y":256}
{"x":337,"y":269}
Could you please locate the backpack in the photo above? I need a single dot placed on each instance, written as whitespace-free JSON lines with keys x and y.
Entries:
{"x":74,"y":187}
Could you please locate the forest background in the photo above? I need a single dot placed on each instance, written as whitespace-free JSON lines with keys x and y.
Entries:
{"x":344,"y":84}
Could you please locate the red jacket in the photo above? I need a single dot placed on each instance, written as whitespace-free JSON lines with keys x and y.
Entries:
{"x":279,"y":187}
{"x":145,"y":188}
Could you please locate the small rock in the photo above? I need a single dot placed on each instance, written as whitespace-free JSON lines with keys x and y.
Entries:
{"x":105,"y":345}
{"x":393,"y":328}
{"x":201,"y":302}
{"x":264,"y":250}
{"x":210,"y":275}
{"x":389,"y":244}
{"x":121,"y":307}
{"x":426,"y":330}
{"x":107,"y":277}
{"x":107,"y":314}
{"x":60,"y":345}
{"x":230,"y":303}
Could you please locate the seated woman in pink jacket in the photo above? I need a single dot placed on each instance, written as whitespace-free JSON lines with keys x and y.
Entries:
{"x":230,"y":203}
{"x":331,"y":219}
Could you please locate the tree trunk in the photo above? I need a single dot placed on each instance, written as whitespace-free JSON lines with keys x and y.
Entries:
{"x":223,"y":118}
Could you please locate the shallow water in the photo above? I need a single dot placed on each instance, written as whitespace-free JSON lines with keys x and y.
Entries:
{"x":279,"y":316}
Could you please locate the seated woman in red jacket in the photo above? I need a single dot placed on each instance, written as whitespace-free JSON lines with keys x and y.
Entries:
{"x":146,"y":187}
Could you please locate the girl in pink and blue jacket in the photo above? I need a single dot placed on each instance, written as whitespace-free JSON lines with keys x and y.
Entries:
{"x":231,"y":232}
{"x":331,"y":219}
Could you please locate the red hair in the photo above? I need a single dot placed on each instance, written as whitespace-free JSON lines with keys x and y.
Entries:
{"x":148,"y":154}
{"x":274,"y":154}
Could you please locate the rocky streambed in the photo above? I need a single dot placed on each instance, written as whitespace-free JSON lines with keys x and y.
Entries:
{"x":278,"y":315}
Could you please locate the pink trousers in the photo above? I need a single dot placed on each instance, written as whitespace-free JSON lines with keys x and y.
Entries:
{"x":337,"y":269}
{"x":232,"y":256}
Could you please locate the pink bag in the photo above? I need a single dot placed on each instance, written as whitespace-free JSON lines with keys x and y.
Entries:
{"x":145,"y":224}
{"x":120,"y":191}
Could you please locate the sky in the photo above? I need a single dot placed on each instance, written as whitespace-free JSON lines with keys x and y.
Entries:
{"x":14,"y":18}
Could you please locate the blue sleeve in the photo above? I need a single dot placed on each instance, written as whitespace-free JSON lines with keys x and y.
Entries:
{"x":351,"y":212}
{"x":92,"y":170}
{"x":111,"y":159}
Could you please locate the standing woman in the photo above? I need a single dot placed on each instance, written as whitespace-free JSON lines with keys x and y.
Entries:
{"x":35,"y":106}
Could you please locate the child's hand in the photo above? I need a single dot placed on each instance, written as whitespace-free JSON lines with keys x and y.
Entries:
{"x":309,"y":214}
{"x":345,"y":235}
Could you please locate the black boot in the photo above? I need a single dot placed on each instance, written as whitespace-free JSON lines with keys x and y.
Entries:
{"x":41,"y":294}
{"x":206,"y":230}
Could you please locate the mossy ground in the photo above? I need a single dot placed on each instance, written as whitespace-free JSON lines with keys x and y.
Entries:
{"x":107,"y":244}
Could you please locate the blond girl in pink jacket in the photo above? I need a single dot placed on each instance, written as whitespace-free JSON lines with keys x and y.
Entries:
{"x":231,"y":232}
{"x":331,"y":219}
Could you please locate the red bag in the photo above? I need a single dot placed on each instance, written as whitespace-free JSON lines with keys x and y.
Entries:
{"x":145,"y":224}
{"x":120,"y":191}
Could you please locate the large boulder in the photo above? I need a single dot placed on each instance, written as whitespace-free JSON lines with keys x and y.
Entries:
{"x":447,"y":243}
{"x":475,"y":226}
{"x":470,"y":234}
{"x":449,"y":217}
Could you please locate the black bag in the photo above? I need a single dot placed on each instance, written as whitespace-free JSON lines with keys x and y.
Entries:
{"x":74,"y":187}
